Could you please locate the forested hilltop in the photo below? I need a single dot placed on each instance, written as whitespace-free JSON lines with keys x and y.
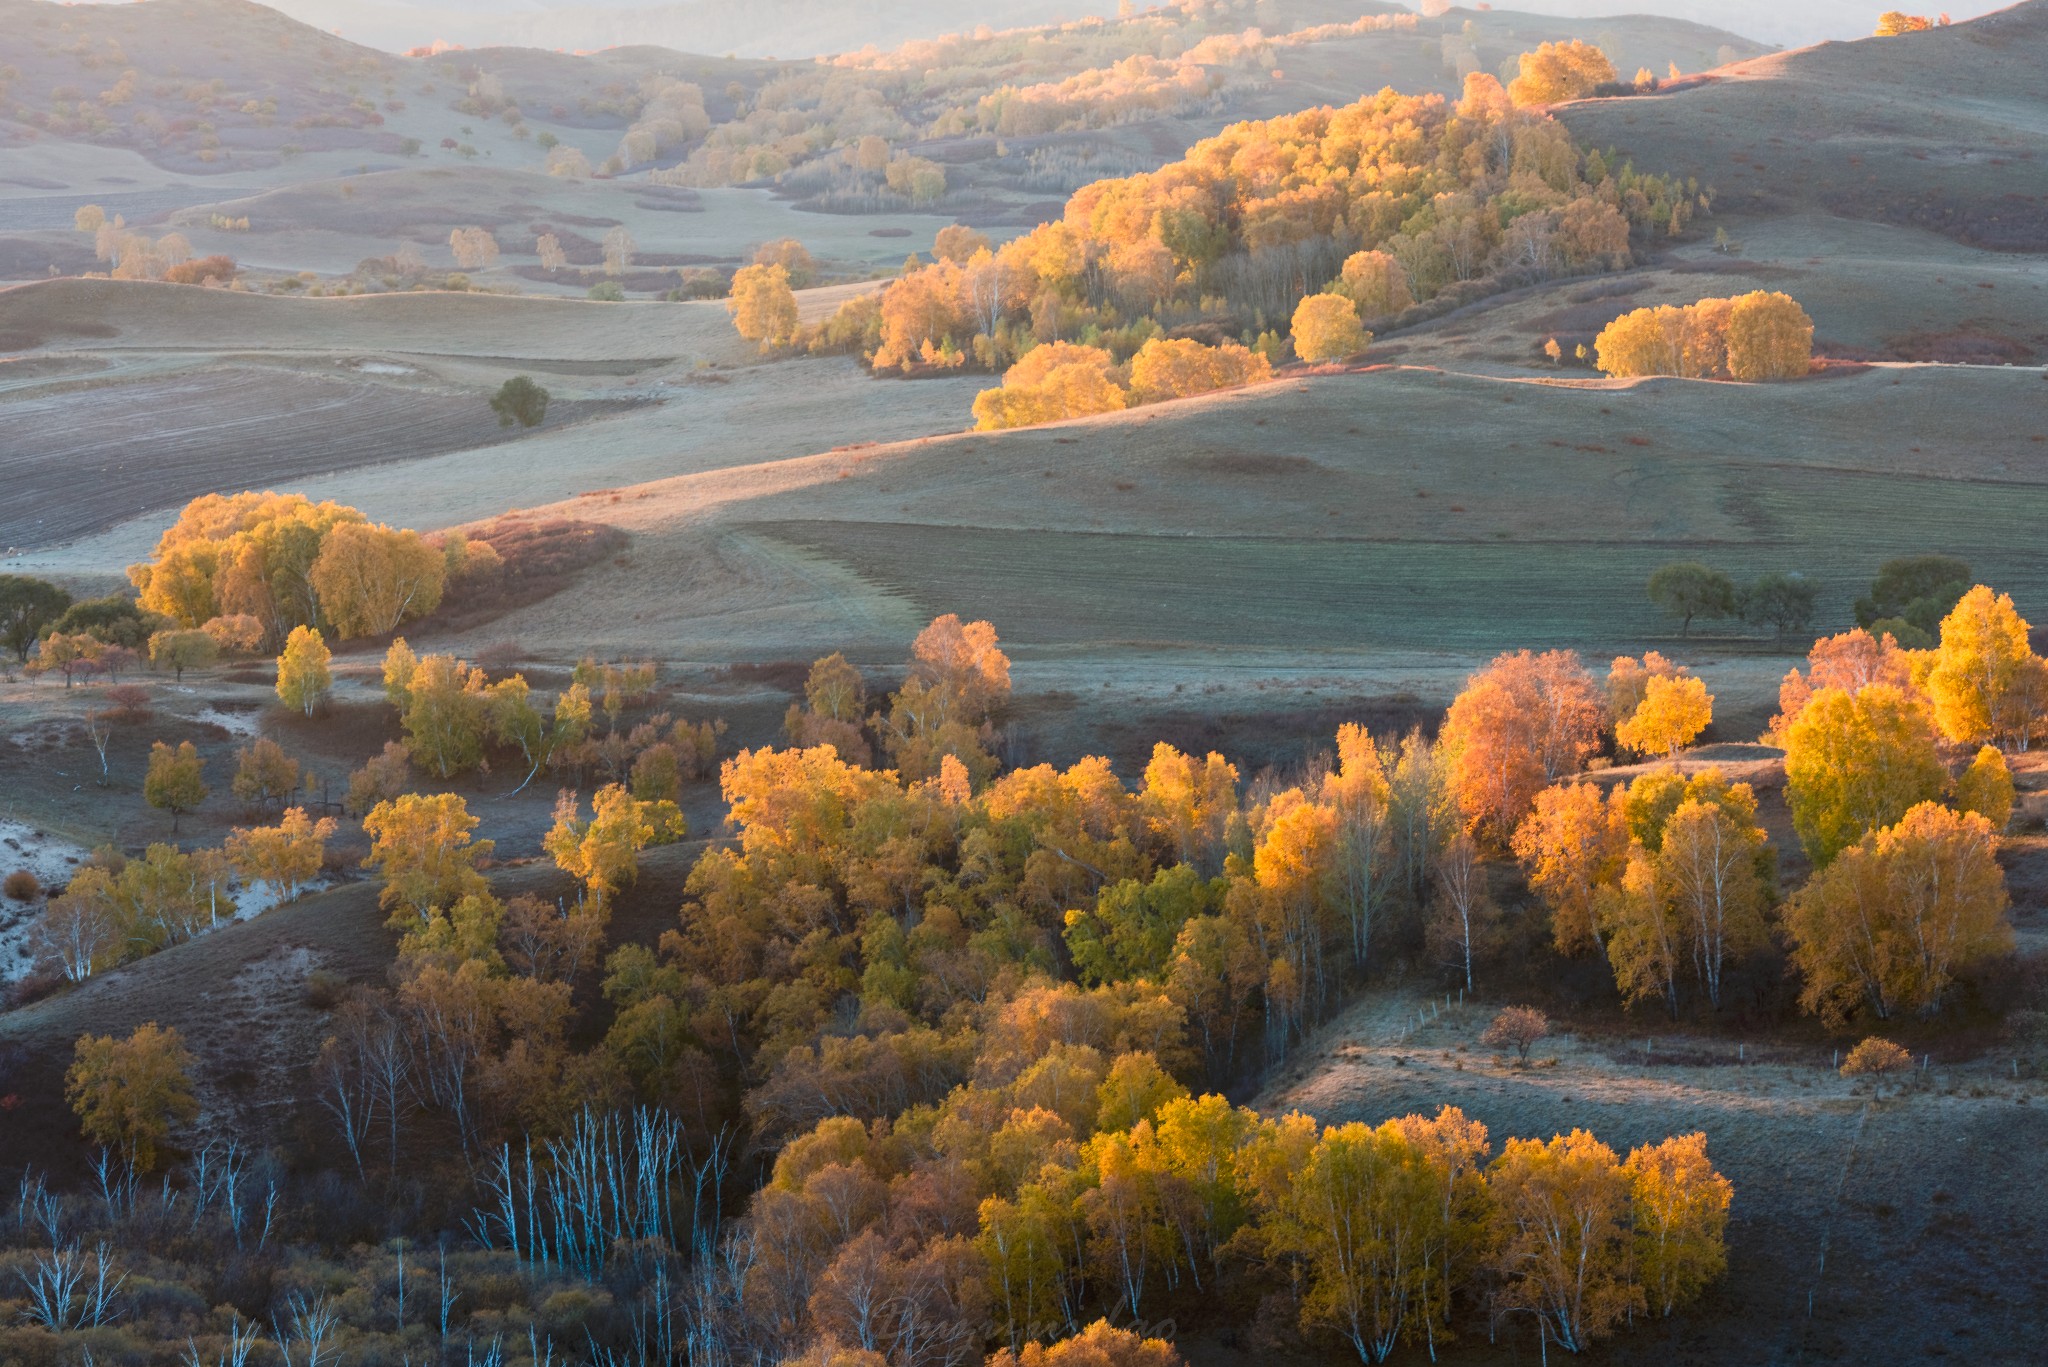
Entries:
{"x":1397,"y":207}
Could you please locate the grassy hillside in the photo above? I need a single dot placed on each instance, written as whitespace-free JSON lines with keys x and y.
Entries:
{"x":1940,"y":130}
{"x":1396,"y":509}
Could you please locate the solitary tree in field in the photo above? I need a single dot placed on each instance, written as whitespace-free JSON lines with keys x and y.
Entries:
{"x":1893,"y":22}
{"x":1687,"y":589}
{"x":520,"y":400}
{"x":26,"y":607}
{"x":176,"y":781}
{"x":618,"y":250}
{"x":303,"y":677}
{"x":763,"y":306}
{"x":128,"y":1093}
{"x":548,"y":248}
{"x":1326,"y":328}
{"x":264,"y":773}
{"x":474,"y":248}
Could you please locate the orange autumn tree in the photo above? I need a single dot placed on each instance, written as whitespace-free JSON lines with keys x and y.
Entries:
{"x":1522,"y":723}
{"x":1849,"y":662}
{"x":1574,"y":842}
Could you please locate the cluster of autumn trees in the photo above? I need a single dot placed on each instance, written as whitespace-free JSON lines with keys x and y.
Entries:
{"x":1382,"y":204}
{"x":130,"y":255}
{"x":966,"y":1136}
{"x":1898,"y":793}
{"x":1752,"y":337}
{"x":115,"y":909}
{"x":1034,"y":1200}
{"x":287,"y":562}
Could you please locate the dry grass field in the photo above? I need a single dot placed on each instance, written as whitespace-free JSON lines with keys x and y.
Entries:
{"x":1397,"y":508}
{"x":152,"y":445}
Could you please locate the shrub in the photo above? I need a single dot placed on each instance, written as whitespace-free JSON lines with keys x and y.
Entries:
{"x":22,"y":886}
{"x":129,"y":702}
{"x":607,"y":292}
{"x":1877,"y":1059}
{"x":1520,"y":1026}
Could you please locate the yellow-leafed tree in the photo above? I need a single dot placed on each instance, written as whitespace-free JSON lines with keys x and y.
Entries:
{"x":1326,"y":328}
{"x":303,"y":677}
{"x":1681,"y":1220}
{"x":763,"y":306}
{"x":1987,"y":684}
{"x":1573,"y":843}
{"x":129,"y":1093}
{"x":1856,"y":763}
{"x":370,"y":578}
{"x":1562,"y":1236}
{"x":1674,"y":710}
{"x":1561,"y":71}
{"x":1899,"y":914}
{"x":1769,"y":337}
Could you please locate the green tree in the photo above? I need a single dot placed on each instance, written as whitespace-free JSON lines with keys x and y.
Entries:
{"x":520,"y":400}
{"x":183,"y":649}
{"x":1920,"y":589}
{"x":1781,"y":601}
{"x":1686,"y":589}
{"x":128,"y":1093}
{"x":26,"y":607}
{"x":176,"y":781}
{"x":303,"y":677}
